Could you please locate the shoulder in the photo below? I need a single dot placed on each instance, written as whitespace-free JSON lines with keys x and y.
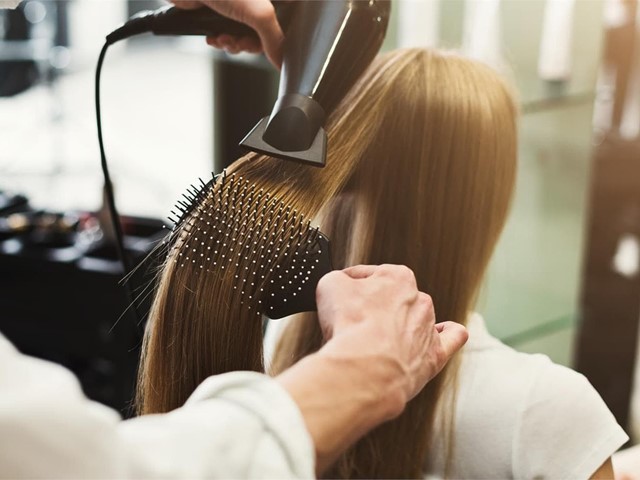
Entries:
{"x":495,"y":382}
{"x":492,"y":361}
{"x":569,"y":424}
{"x":545,"y":420}
{"x":493,"y":386}
{"x":487,"y":361}
{"x":534,"y":381}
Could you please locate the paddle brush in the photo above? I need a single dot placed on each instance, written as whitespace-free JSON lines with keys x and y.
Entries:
{"x":271,"y":252}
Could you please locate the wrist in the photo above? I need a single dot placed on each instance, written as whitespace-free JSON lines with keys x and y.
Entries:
{"x":341,"y":396}
{"x":377,"y":377}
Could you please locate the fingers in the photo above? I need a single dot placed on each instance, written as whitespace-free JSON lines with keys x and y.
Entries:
{"x":379,"y":312}
{"x":249,"y":44}
{"x":360,"y":271}
{"x":399,"y":273}
{"x":262,"y":18}
{"x":257,"y":14}
{"x":376,"y":282}
{"x":214,"y":42}
{"x":452,"y":337}
{"x":235,"y":45}
{"x":187,"y":4}
{"x":333,"y":280}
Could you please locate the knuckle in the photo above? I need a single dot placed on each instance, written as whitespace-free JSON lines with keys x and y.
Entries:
{"x":326,"y":281}
{"x":426,"y":301}
{"x":427,"y":313}
{"x":406,"y":274}
{"x":385,"y":269}
{"x":399,"y":272}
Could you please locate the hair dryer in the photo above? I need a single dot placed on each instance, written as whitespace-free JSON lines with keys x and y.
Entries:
{"x":328,"y":44}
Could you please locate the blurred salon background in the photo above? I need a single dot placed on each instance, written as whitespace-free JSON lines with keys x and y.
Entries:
{"x":565,"y":280}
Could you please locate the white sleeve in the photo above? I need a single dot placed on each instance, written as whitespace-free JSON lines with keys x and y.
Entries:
{"x":565,"y":430}
{"x":238,"y":425}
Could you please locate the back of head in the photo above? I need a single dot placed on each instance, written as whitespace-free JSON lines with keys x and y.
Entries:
{"x":420,"y":170}
{"x":430,"y":189}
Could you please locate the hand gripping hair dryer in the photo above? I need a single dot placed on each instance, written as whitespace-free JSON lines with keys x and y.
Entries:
{"x":328,"y":44}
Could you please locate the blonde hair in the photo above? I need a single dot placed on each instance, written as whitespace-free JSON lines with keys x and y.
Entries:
{"x":420,"y":171}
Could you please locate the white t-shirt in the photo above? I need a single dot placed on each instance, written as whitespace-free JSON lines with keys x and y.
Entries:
{"x":236,"y":425}
{"x":518,"y":415}
{"x":521,"y":416}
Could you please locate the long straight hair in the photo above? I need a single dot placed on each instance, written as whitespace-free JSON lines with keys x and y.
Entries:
{"x":420,"y":171}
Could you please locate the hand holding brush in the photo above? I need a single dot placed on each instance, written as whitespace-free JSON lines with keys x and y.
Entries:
{"x":384,"y":346}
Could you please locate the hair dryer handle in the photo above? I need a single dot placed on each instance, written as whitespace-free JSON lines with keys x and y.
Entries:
{"x":203,"y":21}
{"x":207,"y":22}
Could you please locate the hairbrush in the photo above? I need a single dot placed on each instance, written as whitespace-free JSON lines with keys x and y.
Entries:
{"x":269,"y":251}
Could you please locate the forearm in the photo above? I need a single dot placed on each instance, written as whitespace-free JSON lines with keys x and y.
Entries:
{"x":341,"y":399}
{"x":237,"y":425}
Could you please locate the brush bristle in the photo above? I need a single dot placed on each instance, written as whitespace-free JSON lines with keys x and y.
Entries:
{"x":230,"y":225}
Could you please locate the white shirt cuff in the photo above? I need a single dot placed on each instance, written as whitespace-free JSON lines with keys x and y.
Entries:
{"x":263,"y":397}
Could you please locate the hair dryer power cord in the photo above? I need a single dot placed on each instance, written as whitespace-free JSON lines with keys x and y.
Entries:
{"x":111,"y":203}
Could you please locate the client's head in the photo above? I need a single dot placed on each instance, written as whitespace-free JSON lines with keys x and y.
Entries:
{"x":430,"y":140}
{"x":420,"y":170}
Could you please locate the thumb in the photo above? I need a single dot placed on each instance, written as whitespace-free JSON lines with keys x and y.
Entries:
{"x":452,"y":337}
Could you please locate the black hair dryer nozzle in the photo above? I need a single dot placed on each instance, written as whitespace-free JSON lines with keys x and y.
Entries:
{"x":328,"y":45}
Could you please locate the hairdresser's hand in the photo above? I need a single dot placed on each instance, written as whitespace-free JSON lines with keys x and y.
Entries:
{"x":383,"y":347}
{"x":258,"y":14}
{"x":376,"y":316}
